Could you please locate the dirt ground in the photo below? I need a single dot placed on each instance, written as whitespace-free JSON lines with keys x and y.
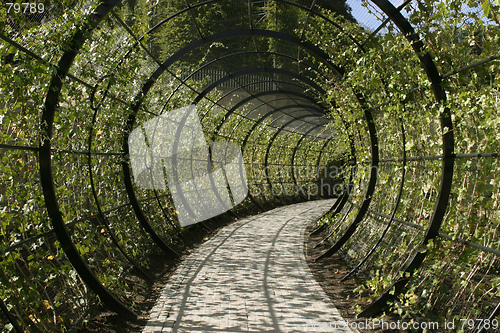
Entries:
{"x":328,"y":272}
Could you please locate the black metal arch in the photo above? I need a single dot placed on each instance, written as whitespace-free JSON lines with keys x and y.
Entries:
{"x":103,"y":218}
{"x":232,"y":110}
{"x":225,"y":34}
{"x":266,"y":159}
{"x":208,"y":39}
{"x":304,"y":135}
{"x":394,"y":211}
{"x":370,"y":187}
{"x":432,"y":231}
{"x":293,"y":159}
{"x":255,"y":125}
{"x":252,"y":32}
{"x":306,"y":105}
{"x":250,"y":132}
{"x":45,"y":157}
{"x":232,"y":76}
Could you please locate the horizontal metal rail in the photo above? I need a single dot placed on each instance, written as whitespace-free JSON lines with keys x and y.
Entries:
{"x":437,"y":157}
{"x":441,"y":234}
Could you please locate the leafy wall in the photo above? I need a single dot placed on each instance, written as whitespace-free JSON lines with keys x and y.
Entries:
{"x":400,"y":106}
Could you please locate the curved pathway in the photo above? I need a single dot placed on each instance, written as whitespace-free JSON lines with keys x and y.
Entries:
{"x":249,"y":277}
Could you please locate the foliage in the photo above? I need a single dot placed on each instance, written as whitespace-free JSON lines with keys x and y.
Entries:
{"x":379,"y":75}
{"x":393,"y":83}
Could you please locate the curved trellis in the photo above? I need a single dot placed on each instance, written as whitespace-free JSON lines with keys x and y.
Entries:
{"x":399,"y":106}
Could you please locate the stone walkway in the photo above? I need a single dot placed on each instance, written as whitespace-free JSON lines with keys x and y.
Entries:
{"x":250,"y":277}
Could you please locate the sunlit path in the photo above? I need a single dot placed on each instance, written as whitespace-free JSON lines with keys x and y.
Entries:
{"x":251,"y":276}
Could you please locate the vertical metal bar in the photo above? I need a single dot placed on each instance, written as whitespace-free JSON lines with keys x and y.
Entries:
{"x":293,"y":159}
{"x":103,"y":218}
{"x":11,"y":317}
{"x":45,"y":163}
{"x":370,"y":188}
{"x":396,"y":205}
{"x":415,"y":261}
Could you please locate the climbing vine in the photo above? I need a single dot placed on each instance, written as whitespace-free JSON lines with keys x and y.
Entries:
{"x":456,"y":275}
{"x":337,"y":71}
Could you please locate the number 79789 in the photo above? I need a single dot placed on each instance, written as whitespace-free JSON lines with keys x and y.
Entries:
{"x":25,"y":7}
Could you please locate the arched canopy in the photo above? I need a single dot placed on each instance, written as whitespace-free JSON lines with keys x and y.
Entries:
{"x":394,"y":102}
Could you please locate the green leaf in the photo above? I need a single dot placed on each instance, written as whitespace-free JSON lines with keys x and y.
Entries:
{"x":486,"y":8}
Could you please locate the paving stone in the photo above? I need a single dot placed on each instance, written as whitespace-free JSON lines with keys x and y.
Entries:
{"x":250,"y":277}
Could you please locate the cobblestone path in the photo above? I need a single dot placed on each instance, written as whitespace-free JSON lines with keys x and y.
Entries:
{"x":249,"y":277}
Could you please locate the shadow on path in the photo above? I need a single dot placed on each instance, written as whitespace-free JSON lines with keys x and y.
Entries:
{"x":250,"y":277}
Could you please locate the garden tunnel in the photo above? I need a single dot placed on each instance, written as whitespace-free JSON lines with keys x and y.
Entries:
{"x":389,"y":105}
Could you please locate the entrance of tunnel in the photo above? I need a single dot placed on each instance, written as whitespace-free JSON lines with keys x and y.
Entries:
{"x":376,"y":106}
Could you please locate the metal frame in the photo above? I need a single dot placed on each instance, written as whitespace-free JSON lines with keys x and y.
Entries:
{"x":306,"y":102}
{"x":416,"y":259}
{"x":45,"y":165}
{"x":395,"y":209}
{"x":370,"y":187}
